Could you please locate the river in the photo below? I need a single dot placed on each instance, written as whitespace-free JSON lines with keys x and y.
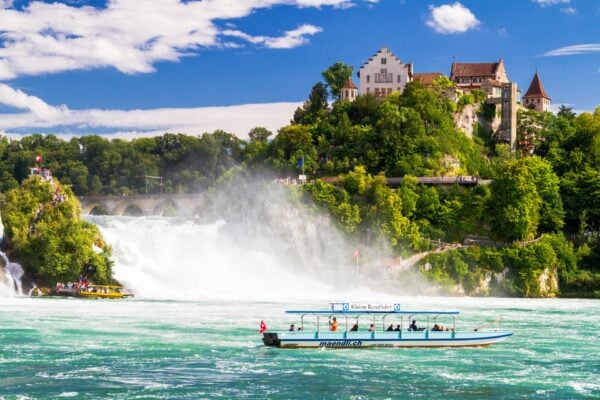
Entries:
{"x":53,"y":348}
{"x":192,"y":331}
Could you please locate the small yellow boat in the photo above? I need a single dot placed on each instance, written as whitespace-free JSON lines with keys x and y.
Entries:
{"x":105,"y":292}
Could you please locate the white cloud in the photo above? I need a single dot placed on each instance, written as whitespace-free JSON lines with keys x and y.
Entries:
{"x":38,"y":108}
{"x":129,"y":35}
{"x":237,"y":119}
{"x":545,"y":3}
{"x":449,"y":19}
{"x":574,"y":49}
{"x":569,"y":10}
{"x":290,"y":39}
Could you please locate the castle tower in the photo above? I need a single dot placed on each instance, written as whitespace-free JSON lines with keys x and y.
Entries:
{"x":349,"y":90}
{"x":536,"y":97}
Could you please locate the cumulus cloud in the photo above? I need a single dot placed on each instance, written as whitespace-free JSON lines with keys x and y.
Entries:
{"x":574,"y":49}
{"x":237,"y":119}
{"x":450,"y":19}
{"x":290,"y":39}
{"x":129,"y":35}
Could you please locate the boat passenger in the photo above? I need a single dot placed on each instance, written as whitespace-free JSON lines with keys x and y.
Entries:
{"x":292,"y":328}
{"x":299,"y":328}
{"x":436,"y":328}
{"x":390,"y":328}
{"x":413,"y":326}
{"x":354,"y":328}
{"x":398,"y":328}
{"x":333,"y":325}
{"x":372,"y":328}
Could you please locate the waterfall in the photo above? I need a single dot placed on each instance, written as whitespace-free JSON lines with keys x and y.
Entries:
{"x":13,"y":274}
{"x":10,"y":277}
{"x":249,"y":242}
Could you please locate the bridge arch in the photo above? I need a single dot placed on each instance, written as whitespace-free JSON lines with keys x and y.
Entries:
{"x":98,"y":209}
{"x":132,"y":210}
{"x":95,"y":208}
{"x":168,"y":208}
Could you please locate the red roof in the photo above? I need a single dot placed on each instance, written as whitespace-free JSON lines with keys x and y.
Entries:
{"x":536,"y":89}
{"x":426,"y":78}
{"x":473,"y":69}
{"x":349,"y":84}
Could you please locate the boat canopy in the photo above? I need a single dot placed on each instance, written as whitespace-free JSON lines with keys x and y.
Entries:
{"x":403,"y":312}
{"x":369,"y":308}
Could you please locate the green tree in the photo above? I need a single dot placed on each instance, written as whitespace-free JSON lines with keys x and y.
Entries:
{"x":336,"y":77}
{"x":514,"y":202}
{"x":46,"y":235}
{"x":566,"y":112}
{"x":313,"y":109}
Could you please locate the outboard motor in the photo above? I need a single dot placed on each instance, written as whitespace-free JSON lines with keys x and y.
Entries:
{"x":271,"y":339}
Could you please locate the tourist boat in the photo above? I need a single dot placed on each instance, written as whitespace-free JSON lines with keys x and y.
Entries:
{"x":375,"y":315}
{"x":104,"y":292}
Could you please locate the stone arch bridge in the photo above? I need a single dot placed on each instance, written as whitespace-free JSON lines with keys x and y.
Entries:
{"x":175,"y":205}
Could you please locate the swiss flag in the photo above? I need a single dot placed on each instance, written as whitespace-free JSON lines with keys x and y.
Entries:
{"x":263,"y":326}
{"x":356,"y":254}
{"x":38,"y":158}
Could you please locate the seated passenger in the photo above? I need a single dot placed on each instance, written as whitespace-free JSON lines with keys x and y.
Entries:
{"x":413,"y":326}
{"x":354,"y":328}
{"x":372,"y":328}
{"x":390,"y":328}
{"x":292,"y":328}
{"x":333,"y":325}
{"x":436,"y":328}
{"x":398,"y":328}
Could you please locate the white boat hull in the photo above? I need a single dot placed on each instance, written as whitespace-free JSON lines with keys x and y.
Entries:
{"x":349,"y":340}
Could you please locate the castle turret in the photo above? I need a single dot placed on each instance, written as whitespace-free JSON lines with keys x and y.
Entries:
{"x":536,"y":97}
{"x":349,"y":90}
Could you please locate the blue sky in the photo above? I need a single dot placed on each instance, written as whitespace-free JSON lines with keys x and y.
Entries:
{"x":139,"y":67}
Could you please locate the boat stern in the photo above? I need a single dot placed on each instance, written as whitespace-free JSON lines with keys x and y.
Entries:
{"x":271,"y":339}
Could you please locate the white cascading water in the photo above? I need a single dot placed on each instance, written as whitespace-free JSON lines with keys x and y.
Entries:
{"x":250,"y":242}
{"x":11,"y":278}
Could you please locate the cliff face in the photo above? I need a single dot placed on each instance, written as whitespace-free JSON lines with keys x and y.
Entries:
{"x":466,"y":119}
{"x":548,"y":281}
{"x":470,"y":115}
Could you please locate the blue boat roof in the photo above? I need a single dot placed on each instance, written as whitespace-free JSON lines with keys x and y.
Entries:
{"x":352,"y":312}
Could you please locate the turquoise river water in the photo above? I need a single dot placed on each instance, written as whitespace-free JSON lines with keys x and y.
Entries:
{"x":160,"y":349}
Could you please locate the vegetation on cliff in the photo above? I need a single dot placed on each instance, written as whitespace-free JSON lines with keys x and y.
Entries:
{"x":44,"y":232}
{"x":538,"y":219}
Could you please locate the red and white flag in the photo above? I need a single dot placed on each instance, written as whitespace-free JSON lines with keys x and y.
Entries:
{"x":38,"y":158}
{"x":263,"y":326}
{"x":356,"y":254}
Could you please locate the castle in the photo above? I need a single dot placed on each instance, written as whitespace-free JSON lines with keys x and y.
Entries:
{"x":384,"y":73}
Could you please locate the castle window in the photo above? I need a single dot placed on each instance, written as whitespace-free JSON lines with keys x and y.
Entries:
{"x":399,"y":80}
{"x":383,"y":71}
{"x":384,"y":61}
{"x":384,"y":77}
{"x":368,"y":78}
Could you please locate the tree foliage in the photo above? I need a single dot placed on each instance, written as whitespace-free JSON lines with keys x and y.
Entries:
{"x":43,"y":231}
